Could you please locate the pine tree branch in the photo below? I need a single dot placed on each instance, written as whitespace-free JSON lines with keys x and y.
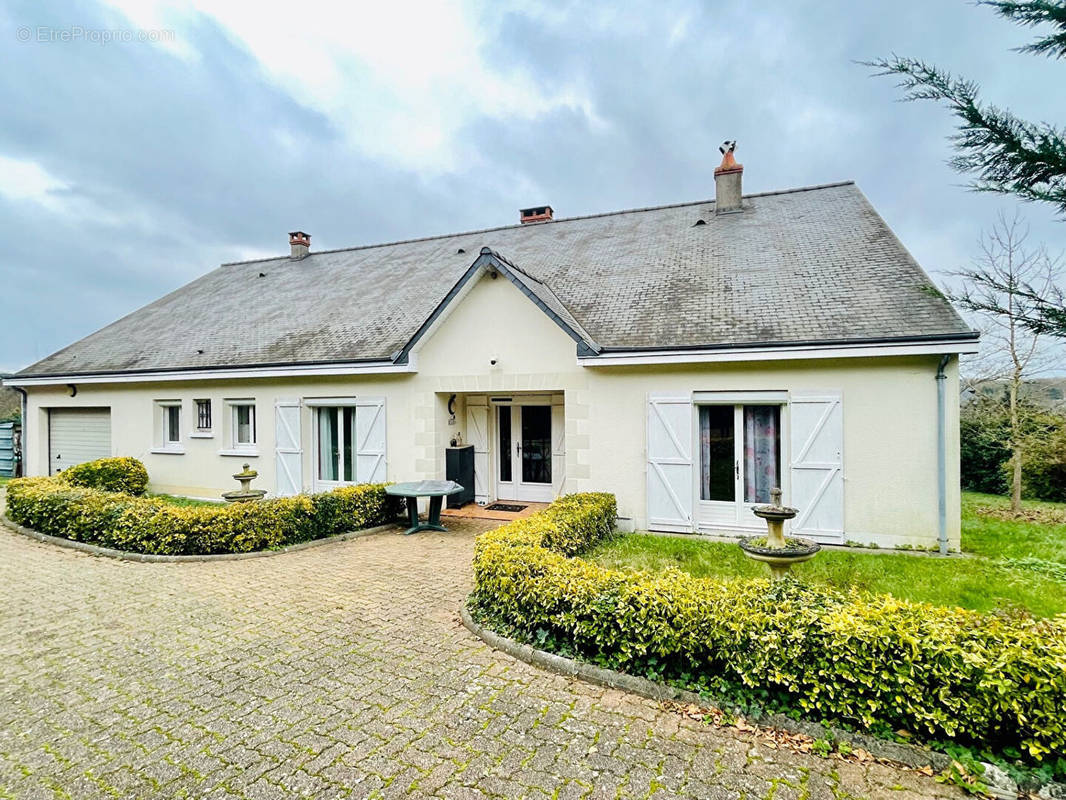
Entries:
{"x":1009,"y":155}
{"x":1036,"y":12}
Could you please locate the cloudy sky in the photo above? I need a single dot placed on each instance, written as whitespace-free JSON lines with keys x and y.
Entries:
{"x":127,"y":168}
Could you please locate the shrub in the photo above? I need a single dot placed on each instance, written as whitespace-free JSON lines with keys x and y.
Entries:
{"x":984,"y":429}
{"x":150,"y":525}
{"x":868,"y":660}
{"x":126,"y":475}
{"x":1044,"y":463}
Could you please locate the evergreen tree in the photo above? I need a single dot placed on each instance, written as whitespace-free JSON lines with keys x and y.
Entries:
{"x":1005,"y":154}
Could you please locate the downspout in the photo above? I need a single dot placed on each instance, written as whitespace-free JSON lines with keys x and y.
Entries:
{"x":20,"y":468}
{"x":941,"y":458}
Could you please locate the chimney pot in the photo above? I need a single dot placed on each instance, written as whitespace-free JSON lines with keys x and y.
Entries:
{"x":727,"y":181}
{"x":536,"y":214}
{"x":300,"y":243}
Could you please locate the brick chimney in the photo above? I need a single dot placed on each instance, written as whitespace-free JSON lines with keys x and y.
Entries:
{"x":727,"y":181}
{"x":535,"y":214}
{"x":300,"y":243}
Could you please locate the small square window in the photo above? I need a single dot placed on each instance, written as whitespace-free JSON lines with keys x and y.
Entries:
{"x":203,"y":415}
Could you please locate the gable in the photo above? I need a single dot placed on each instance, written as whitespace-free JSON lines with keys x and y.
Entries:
{"x":495,"y":267}
{"x":493,"y":320}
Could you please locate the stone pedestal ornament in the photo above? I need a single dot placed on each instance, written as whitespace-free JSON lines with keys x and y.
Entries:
{"x":245,"y":494}
{"x":775,"y":550}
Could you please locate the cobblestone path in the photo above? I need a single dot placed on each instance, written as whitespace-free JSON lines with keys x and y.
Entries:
{"x":337,"y":671}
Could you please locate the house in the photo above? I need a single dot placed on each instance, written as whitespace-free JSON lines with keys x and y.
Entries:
{"x":687,"y":358}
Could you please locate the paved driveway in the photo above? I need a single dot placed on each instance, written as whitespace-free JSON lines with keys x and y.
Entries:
{"x":338,"y":671}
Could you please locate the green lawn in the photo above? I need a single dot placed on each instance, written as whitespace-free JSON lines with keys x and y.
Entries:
{"x":984,"y":582}
{"x":175,"y":500}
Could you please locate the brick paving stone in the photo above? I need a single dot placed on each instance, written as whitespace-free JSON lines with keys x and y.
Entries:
{"x":340,"y":671}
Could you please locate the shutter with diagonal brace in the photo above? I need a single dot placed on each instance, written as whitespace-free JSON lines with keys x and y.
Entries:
{"x":558,"y":448}
{"x":370,"y":464}
{"x":477,"y":417}
{"x":817,"y":422}
{"x":670,"y":480}
{"x":288,"y":454}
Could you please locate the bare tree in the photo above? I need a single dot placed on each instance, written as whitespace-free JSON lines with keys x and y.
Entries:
{"x":1003,"y":287}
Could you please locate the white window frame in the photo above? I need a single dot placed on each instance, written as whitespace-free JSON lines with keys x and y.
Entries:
{"x":163,"y":443}
{"x":235,"y":448}
{"x":195,"y":431}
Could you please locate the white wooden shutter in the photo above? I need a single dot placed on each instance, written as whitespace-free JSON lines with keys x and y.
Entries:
{"x":288,"y":454}
{"x":370,"y":465}
{"x":558,"y":449}
{"x":478,"y":423}
{"x":817,"y":423}
{"x":670,"y":481}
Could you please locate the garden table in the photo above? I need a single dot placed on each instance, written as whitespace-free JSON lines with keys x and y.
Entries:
{"x":436,"y":491}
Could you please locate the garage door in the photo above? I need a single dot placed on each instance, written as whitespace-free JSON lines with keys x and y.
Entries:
{"x":76,"y":435}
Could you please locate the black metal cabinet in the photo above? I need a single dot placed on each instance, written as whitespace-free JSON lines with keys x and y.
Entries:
{"x":459,"y":467}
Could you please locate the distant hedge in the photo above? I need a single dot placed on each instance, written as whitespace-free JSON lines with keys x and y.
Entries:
{"x":869,"y":660}
{"x":124,"y":474}
{"x":57,"y":507}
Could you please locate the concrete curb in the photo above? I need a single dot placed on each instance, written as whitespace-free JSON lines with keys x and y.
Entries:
{"x":907,"y":754}
{"x":152,"y":558}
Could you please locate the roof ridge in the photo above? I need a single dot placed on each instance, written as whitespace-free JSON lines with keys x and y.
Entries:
{"x":810,"y":188}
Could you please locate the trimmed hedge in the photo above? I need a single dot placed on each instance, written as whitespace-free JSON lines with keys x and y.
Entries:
{"x":125,"y":474}
{"x":151,"y":525}
{"x":868,"y":660}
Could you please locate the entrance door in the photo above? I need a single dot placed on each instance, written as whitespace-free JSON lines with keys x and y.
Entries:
{"x":739,"y":462}
{"x":524,"y":453}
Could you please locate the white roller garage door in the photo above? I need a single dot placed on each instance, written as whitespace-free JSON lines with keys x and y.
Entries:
{"x":76,"y":435}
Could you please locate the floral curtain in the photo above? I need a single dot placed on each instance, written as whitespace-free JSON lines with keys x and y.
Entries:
{"x":762,"y":452}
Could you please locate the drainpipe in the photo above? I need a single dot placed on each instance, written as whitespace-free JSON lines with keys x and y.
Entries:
{"x":20,"y":467}
{"x":941,"y":458}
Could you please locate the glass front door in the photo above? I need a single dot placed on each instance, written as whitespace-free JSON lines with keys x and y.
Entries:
{"x":524,"y":453}
{"x":335,"y":445}
{"x":739,"y":462}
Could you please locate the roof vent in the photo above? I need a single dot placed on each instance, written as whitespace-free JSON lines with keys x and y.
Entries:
{"x":300,"y":243}
{"x":536,"y":214}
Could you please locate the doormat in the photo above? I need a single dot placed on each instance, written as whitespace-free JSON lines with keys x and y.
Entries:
{"x":504,"y":507}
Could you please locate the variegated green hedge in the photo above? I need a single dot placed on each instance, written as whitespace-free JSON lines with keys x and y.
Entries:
{"x":870,"y":660}
{"x":149,"y":525}
{"x":122,"y":474}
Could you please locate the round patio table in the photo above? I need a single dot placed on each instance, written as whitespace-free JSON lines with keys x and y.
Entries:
{"x":436,"y":491}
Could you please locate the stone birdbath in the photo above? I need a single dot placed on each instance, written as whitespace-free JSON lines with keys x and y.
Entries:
{"x":774,"y":549}
{"x":245,"y":494}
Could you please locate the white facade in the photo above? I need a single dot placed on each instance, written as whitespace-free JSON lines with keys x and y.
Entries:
{"x":856,"y":432}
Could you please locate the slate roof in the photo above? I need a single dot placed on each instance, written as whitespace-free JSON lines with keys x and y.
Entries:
{"x":804,"y":265}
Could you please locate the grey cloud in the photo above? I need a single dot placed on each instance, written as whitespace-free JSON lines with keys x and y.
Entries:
{"x":190,"y":164}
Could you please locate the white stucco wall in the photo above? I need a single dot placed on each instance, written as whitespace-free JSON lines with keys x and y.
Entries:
{"x":889,"y":408}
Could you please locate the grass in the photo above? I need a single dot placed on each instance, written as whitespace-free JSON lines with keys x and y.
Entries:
{"x":174,"y":499}
{"x":996,"y":538}
{"x":984,"y":582}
